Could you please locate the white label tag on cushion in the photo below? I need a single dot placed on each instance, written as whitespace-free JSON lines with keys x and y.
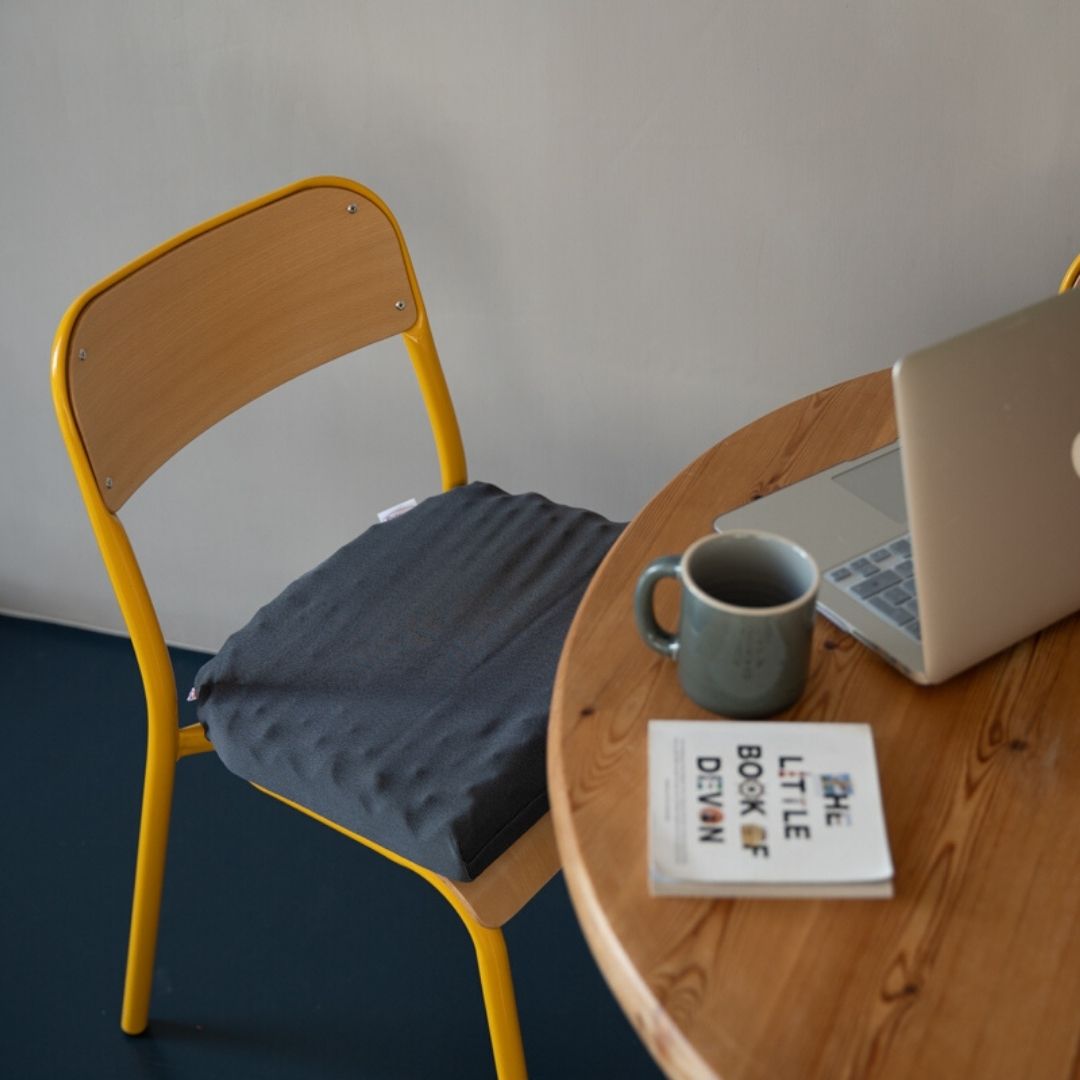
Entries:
{"x":396,"y":511}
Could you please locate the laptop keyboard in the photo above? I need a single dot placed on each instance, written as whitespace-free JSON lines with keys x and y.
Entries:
{"x":883,"y":580}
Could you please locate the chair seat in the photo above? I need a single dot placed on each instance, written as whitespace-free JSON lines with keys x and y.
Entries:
{"x":401,"y":688}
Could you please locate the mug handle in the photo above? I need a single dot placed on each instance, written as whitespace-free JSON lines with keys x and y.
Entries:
{"x":652,"y":633}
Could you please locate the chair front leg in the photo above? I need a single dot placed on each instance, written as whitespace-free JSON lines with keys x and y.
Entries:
{"x":149,"y":878}
{"x":497,"y":985}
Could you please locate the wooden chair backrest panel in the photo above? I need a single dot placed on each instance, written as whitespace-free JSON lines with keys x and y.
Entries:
{"x":231,"y":313}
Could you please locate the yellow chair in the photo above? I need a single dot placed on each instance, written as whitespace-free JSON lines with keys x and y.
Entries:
{"x":156,"y":354}
{"x":1072,"y":276}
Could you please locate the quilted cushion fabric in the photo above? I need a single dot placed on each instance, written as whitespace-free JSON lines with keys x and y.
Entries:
{"x":401,"y":688}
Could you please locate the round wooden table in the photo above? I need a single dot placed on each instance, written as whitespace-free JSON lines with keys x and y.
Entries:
{"x":973,"y":970}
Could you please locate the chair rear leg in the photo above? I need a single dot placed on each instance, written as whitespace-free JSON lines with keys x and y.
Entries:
{"x":498,"y":989}
{"x":149,"y":878}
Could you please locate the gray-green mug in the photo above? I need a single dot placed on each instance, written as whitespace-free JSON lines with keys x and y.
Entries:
{"x":746,"y":617}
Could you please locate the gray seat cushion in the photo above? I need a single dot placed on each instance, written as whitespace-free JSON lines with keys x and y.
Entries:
{"x":401,"y":688}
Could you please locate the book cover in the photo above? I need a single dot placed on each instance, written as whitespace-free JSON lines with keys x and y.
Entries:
{"x":769,"y":809}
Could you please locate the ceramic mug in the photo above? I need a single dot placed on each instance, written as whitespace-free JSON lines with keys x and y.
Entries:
{"x":746,"y":617}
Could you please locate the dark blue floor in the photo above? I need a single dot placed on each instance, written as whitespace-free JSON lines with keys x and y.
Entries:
{"x":286,"y":950}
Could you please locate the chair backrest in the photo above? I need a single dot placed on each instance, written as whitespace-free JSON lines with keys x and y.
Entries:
{"x":160,"y":351}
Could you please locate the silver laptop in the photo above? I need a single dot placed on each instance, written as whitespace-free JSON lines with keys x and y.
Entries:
{"x":964,"y":537}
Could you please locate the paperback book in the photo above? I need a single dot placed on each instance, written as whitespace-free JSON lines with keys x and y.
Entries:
{"x":765,"y":809}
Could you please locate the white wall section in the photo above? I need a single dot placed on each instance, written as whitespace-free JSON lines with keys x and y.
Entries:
{"x":637,"y":227}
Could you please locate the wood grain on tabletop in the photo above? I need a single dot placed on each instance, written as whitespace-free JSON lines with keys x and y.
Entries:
{"x":974,"y":968}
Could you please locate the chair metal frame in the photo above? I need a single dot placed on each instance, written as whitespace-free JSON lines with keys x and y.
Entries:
{"x":485,"y":904}
{"x":1071,"y":280}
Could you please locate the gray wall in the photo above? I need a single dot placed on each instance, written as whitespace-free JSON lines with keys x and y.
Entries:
{"x":637,"y":227}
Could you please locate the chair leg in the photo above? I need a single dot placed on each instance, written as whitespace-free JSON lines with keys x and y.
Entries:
{"x":498,"y":989}
{"x":495,"y":979}
{"x":149,"y":878}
